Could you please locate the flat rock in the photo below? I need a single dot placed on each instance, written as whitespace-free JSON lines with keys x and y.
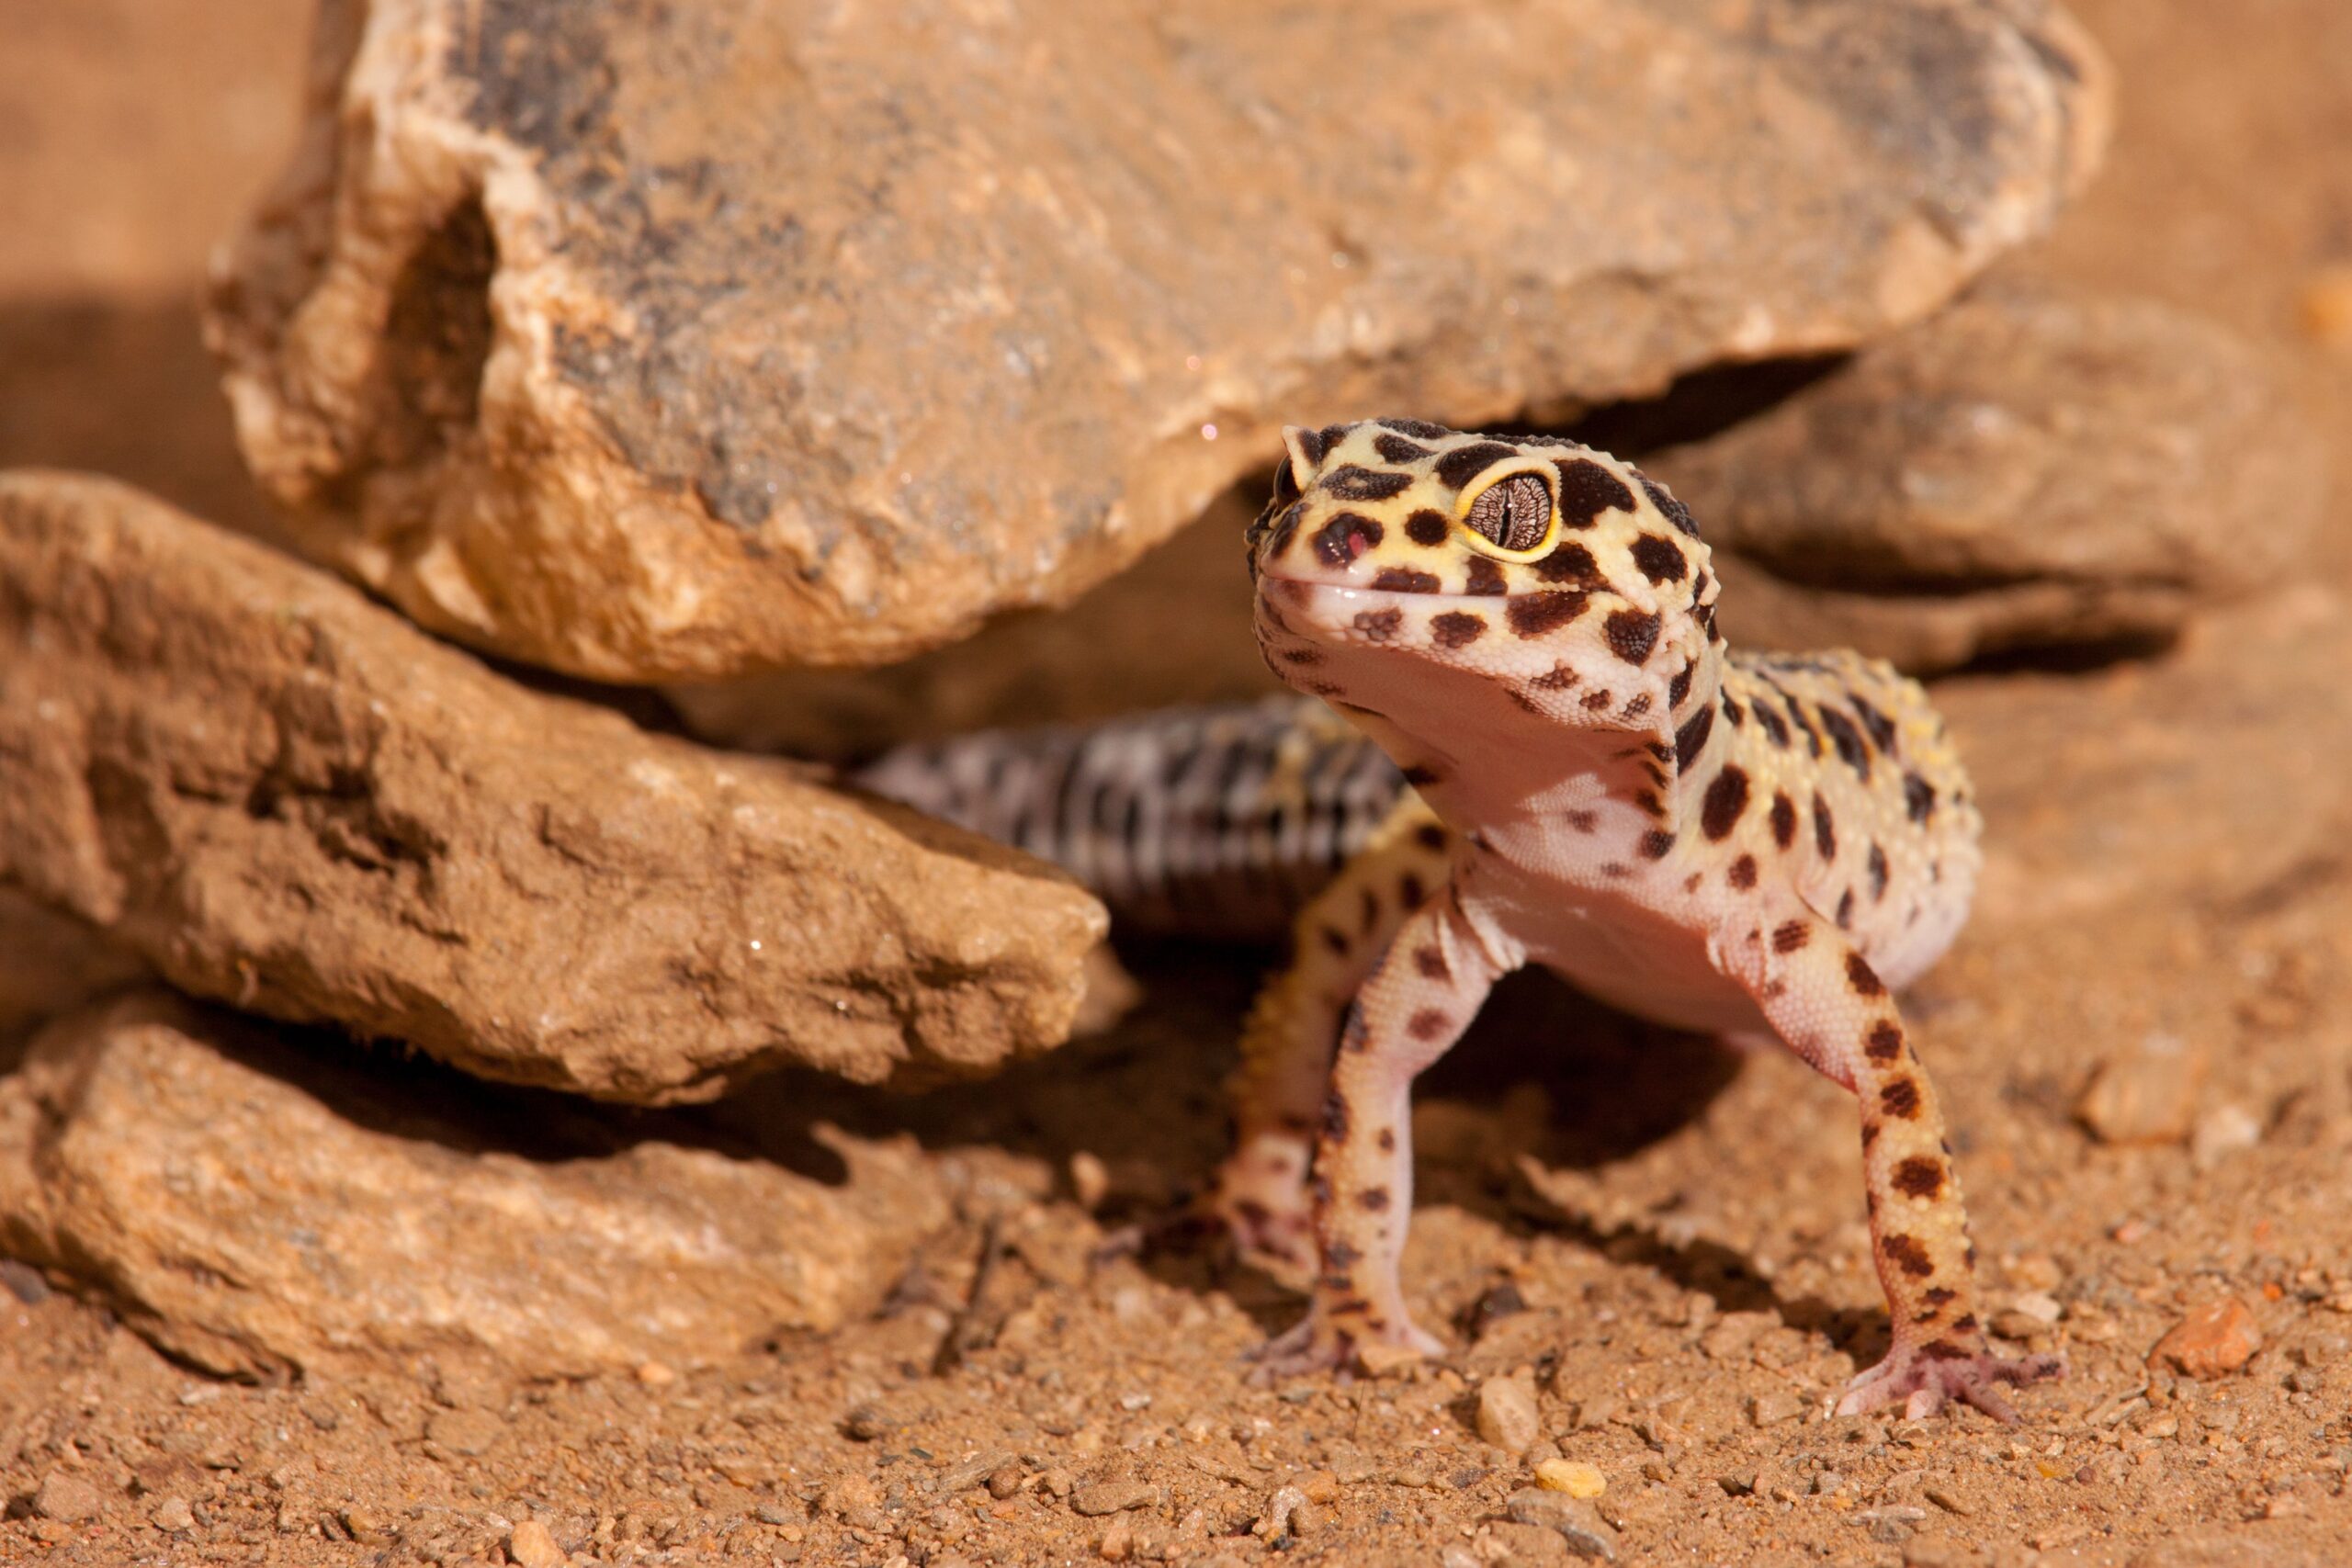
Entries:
{"x":2027,"y":470}
{"x":684,"y":340}
{"x":284,"y":797}
{"x":253,"y":1201}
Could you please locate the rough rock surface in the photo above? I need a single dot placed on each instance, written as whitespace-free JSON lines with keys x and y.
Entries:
{"x":51,"y":962}
{"x":250,"y":1204}
{"x":2026,"y":469}
{"x":286,"y":798}
{"x":676,"y":342}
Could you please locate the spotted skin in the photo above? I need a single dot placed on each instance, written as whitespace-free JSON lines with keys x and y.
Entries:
{"x":1554,"y":759}
{"x":1759,"y":846}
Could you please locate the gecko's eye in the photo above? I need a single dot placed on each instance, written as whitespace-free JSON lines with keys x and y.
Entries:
{"x":1515,"y":513}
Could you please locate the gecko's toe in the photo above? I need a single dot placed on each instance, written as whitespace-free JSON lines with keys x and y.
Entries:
{"x":1924,"y":1383}
{"x":1316,"y":1345}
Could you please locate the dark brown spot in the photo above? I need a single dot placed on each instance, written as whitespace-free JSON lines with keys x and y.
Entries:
{"x":1427,"y":526}
{"x":1352,"y":483}
{"x":1459,"y":467}
{"x":1862,"y":977}
{"x":1567,"y":562}
{"x":1335,"y":1116}
{"x":1534,"y":614}
{"x":1368,"y":910}
{"x":1483,"y":576}
{"x":1659,"y":559}
{"x":1336,"y":940}
{"x":1405,"y":579}
{"x":1691,"y":736}
{"x":1378,"y":626}
{"x":1742,"y":874}
{"x":1825,"y":827}
{"x":1432,"y":963}
{"x":1582,"y":820}
{"x":1559,"y":678}
{"x":1418,"y":429}
{"x":1941,"y":1295}
{"x":1775,"y":729}
{"x":1919,"y":798}
{"x":1373,"y":1200}
{"x":1638,"y":706}
{"x":1675,"y":513}
{"x":1301,"y":656}
{"x":1598,"y":700}
{"x":1784,"y":818}
{"x":1691,"y":882}
{"x":1900,"y":1097}
{"x":1870,"y":1135}
{"x":1411,"y":892}
{"x":1421,"y":776}
{"x":1396,"y":449}
{"x":1944,"y":1350}
{"x":1877,"y":863}
{"x":1386,"y":1140}
{"x":1457,"y":628}
{"x":1963,"y":1323}
{"x":1588,"y":490}
{"x":1790,"y":935}
{"x":1884,"y":1041}
{"x":1882,"y":727}
{"x":1727,"y":798}
{"x":1428,"y":1024}
{"x":1852,"y":748}
{"x":1906,"y":1252}
{"x":1658,"y":843}
{"x":1921,"y":1176}
{"x":1615,"y":869}
{"x":1845,"y":910}
{"x":1429,"y":835}
{"x":1632,"y":634}
{"x":1313,"y":443}
{"x":1679,"y":687}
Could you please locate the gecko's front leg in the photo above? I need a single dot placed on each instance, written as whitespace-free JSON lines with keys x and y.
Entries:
{"x":1421,"y":994}
{"x":1826,"y":1002}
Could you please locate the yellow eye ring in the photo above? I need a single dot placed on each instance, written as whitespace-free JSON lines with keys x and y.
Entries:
{"x":1516,"y":506}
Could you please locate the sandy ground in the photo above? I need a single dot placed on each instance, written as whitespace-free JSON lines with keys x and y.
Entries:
{"x":1659,"y":1242}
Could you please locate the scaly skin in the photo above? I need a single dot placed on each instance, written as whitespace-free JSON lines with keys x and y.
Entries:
{"x":1750,"y":846}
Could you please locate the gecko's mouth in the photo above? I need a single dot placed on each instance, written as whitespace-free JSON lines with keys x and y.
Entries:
{"x":1404,"y":616}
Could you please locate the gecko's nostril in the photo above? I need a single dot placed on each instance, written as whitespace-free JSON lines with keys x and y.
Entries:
{"x":1347,"y":536}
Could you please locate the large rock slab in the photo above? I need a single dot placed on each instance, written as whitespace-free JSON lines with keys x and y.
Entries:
{"x":2028,"y":469}
{"x":284,"y":797}
{"x":252,"y":1205}
{"x":50,"y":963}
{"x":684,"y":340}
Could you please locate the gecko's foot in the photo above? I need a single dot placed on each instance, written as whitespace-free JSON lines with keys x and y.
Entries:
{"x":1315,"y":1343}
{"x":1281,"y":1242}
{"x":1922,"y":1380}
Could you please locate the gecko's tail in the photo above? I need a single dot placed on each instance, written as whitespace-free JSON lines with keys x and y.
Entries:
{"x":1207,"y":821}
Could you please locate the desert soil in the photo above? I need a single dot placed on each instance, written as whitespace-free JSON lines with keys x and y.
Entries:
{"x":1652,"y":1246}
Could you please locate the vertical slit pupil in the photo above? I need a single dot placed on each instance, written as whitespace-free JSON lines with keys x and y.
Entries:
{"x":1513,"y":513}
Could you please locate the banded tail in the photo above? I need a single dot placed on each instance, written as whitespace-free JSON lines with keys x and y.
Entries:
{"x":1207,"y":821}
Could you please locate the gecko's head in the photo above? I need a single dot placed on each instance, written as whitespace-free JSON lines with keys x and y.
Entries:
{"x":1554,"y":573}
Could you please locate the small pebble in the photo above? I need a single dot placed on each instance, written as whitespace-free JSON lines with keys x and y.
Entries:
{"x":2221,"y":1132}
{"x":2211,"y":1342}
{"x":531,"y":1546}
{"x":1089,"y":1179}
{"x":1098,"y":1498}
{"x":1576,"y":1521}
{"x":1575,"y":1479}
{"x":1772,"y":1408}
{"x":654,"y":1374}
{"x":1507,"y":1416}
{"x":68,"y":1499}
{"x":173,"y":1515}
{"x":864,"y":1423}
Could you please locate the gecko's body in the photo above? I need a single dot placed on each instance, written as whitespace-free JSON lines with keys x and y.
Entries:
{"x":1752,"y":846}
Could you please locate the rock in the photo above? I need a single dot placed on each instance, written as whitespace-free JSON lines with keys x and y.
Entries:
{"x":173,"y":1516}
{"x":530,"y":1545}
{"x":50,"y":963}
{"x":2145,"y":1095}
{"x":1506,"y":1415}
{"x":251,"y":1201}
{"x":2221,"y":1132}
{"x":1770,"y":1409}
{"x":683,"y":342}
{"x":2214,"y":1341}
{"x":284,"y":797}
{"x":1573,"y":1518}
{"x":1096,"y":1498}
{"x":2028,"y":469}
{"x":1571,"y":1476}
{"x":67,"y":1498}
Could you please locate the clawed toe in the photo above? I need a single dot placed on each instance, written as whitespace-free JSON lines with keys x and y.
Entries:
{"x":1923,"y":1383}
